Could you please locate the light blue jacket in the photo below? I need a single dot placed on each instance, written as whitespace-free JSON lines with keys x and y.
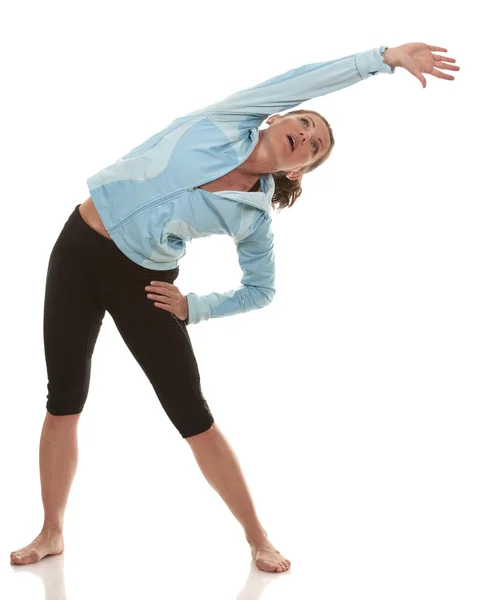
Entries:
{"x":149,"y":199}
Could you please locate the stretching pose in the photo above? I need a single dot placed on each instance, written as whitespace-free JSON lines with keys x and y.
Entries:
{"x":210,"y":172}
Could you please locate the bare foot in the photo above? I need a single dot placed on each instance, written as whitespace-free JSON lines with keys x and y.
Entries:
{"x":267,"y":558}
{"x":43,"y":545}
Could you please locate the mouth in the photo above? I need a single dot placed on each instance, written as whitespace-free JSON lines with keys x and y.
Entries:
{"x":292,"y":142}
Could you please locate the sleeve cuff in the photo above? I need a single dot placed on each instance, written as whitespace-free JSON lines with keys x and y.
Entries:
{"x":371,"y":62}
{"x":195,"y":315}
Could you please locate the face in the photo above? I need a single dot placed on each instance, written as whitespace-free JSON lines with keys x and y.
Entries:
{"x":293,"y":142}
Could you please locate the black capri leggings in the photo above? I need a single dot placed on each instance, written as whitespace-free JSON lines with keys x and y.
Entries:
{"x":88,"y":274}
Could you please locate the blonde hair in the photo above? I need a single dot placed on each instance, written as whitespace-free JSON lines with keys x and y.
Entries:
{"x":286,"y":190}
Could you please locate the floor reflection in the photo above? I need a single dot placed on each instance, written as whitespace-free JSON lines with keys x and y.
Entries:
{"x":51,"y":572}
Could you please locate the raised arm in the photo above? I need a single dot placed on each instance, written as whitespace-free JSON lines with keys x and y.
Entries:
{"x":289,"y":89}
{"x":283,"y":92}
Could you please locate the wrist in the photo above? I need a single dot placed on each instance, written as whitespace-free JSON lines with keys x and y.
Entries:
{"x":390,"y":57}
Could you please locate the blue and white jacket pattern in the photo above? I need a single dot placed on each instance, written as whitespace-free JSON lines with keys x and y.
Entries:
{"x":150,"y":202}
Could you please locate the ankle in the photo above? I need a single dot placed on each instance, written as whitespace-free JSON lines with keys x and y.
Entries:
{"x":52,"y":529}
{"x":256,"y":537}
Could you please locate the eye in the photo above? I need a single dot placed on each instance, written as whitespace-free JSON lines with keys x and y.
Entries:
{"x":314,"y":145}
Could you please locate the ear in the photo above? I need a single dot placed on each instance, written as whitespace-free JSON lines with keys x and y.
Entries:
{"x":293,"y":175}
{"x":272,"y":118}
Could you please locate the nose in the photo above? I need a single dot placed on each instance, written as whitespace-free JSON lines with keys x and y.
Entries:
{"x":305,"y":135}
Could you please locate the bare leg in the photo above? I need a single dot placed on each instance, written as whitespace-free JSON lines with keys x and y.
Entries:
{"x":58,"y":463}
{"x":221,"y":468}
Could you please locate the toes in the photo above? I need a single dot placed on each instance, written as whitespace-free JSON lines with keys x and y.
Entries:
{"x":266,"y":566}
{"x":278,"y":565}
{"x":28,"y":557}
{"x":284,"y":565}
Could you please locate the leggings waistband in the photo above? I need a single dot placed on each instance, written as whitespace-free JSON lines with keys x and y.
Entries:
{"x":77,"y":216}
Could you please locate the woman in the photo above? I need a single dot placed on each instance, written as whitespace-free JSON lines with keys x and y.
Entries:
{"x":210,"y":172}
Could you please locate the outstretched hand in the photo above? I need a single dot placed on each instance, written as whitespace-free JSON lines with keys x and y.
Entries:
{"x":417,"y":58}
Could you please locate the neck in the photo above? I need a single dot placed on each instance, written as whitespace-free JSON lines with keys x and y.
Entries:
{"x":259,"y":162}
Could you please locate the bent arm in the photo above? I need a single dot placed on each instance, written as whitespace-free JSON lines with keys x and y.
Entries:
{"x":256,"y":258}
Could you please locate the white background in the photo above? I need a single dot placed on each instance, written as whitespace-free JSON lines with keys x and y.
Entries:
{"x":351,"y":401}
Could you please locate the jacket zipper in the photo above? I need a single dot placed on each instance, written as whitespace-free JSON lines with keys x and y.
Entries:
{"x":225,"y":173}
{"x":142,"y":209}
{"x":206,"y":181}
{"x":161,"y":199}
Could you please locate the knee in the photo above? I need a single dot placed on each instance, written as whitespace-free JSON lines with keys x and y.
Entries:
{"x":199,"y":434}
{"x":64,"y":403}
{"x":54,"y":419}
